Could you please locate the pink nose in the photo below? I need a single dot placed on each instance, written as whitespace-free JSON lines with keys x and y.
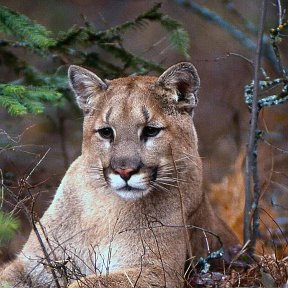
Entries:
{"x":125,"y":173}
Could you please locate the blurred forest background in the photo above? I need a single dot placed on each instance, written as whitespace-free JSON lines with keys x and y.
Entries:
{"x":50,"y":141}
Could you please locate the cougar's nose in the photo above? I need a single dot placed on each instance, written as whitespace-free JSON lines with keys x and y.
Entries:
{"x":125,"y":173}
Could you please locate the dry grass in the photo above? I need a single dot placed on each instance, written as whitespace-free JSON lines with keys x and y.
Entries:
{"x":270,"y":267}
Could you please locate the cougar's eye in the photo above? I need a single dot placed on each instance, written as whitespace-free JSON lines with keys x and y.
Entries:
{"x":106,"y":133}
{"x":150,"y":131}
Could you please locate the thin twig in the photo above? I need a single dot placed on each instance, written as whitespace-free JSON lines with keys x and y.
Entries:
{"x":2,"y":189}
{"x":30,"y":216}
{"x":251,"y":158}
{"x":280,"y":15}
{"x":190,"y":227}
{"x":37,"y":164}
{"x":274,"y":40}
{"x":158,"y":249}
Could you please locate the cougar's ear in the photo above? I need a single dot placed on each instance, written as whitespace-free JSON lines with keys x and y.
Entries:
{"x":84,"y":84}
{"x":184,"y":79}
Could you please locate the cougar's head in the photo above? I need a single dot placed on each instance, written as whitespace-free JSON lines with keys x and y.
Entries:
{"x":137,"y":129}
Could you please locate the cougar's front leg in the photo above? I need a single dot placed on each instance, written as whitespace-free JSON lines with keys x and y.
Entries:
{"x":138,"y":278}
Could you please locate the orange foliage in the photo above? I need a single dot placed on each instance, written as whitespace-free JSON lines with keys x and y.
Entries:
{"x":229,"y":197}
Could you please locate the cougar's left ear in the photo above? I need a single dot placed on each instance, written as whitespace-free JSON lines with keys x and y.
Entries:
{"x":85,"y":85}
{"x":184,"y":79}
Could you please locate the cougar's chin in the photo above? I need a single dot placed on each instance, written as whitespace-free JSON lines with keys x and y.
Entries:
{"x":130,"y":193}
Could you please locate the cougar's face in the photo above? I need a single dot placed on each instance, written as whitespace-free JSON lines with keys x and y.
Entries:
{"x":131,"y":139}
{"x":134,"y":125}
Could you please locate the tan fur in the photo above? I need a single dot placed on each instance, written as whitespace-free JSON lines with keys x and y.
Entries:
{"x":127,"y":240}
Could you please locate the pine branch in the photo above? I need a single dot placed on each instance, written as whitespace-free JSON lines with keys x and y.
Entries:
{"x":178,"y":37}
{"x":74,"y":35}
{"x":8,"y":226}
{"x":138,"y":64}
{"x":106,"y":69}
{"x":33,"y":88}
{"x":90,"y":34}
{"x":23,"y":29}
{"x":20,"y":100}
{"x":139,"y":22}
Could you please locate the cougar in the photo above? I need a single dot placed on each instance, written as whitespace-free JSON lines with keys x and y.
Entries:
{"x":130,"y":211}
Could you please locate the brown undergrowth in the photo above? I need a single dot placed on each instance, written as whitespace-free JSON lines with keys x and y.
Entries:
{"x":266,"y":272}
{"x":269,"y":266}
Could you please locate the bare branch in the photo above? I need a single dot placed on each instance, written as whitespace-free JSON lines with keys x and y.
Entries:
{"x":251,"y":158}
{"x":280,"y":12}
{"x":242,"y":37}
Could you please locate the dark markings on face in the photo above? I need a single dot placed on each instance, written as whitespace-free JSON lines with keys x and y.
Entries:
{"x":145,"y":113}
{"x":108,"y":115}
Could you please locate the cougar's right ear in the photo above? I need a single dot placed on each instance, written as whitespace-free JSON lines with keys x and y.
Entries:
{"x":184,"y":80}
{"x":84,"y":84}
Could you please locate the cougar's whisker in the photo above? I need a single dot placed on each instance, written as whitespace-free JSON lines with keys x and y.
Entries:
{"x":157,"y":185}
{"x":168,"y":184}
{"x":172,"y":180}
